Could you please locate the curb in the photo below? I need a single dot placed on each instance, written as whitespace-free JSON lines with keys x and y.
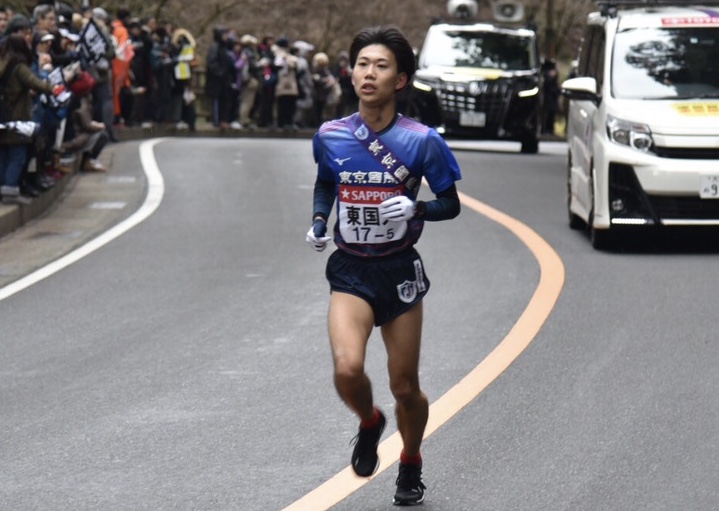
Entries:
{"x":14,"y":216}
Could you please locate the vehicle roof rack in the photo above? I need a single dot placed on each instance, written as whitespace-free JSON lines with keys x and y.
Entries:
{"x":610,"y":7}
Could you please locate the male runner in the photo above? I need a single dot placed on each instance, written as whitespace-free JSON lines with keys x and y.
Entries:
{"x":373,"y":163}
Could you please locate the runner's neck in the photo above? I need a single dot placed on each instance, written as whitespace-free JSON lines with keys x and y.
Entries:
{"x":378,"y":118}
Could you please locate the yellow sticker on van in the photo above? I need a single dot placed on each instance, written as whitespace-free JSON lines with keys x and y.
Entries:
{"x":697,"y":109}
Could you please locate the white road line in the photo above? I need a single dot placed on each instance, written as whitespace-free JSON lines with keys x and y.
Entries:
{"x":156,"y":190}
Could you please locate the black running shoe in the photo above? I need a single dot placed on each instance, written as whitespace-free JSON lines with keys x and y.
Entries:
{"x":364,"y":457}
{"x":410,"y":489}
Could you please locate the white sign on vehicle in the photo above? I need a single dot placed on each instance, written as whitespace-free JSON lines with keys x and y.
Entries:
{"x":709,"y":187}
{"x":476,"y":119}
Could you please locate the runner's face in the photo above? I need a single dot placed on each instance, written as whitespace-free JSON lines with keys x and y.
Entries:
{"x":375,"y":77}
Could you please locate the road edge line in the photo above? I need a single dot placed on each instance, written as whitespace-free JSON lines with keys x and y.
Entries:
{"x":155,"y":193}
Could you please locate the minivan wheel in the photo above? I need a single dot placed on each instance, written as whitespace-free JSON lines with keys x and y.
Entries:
{"x":575,"y":221}
{"x":530,"y":145}
{"x":601,"y":239}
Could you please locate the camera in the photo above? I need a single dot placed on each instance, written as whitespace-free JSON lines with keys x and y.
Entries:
{"x":462,"y":9}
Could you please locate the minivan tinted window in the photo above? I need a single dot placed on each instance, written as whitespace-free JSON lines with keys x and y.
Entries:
{"x":672,"y":63}
{"x":492,"y":50}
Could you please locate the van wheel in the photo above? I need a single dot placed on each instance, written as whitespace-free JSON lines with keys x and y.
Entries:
{"x":575,"y":222}
{"x":530,"y":146}
{"x":601,"y":239}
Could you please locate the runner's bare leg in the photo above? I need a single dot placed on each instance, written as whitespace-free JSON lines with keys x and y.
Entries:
{"x":402,"y":338}
{"x":351,"y":321}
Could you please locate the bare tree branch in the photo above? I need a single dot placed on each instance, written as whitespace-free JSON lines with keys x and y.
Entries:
{"x":331,"y":24}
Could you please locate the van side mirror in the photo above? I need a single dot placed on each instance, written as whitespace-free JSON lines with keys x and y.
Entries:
{"x":582,"y":89}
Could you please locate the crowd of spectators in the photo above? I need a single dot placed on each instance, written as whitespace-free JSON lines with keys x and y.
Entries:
{"x":274,"y":83}
{"x":56,"y":101}
{"x":71,"y":77}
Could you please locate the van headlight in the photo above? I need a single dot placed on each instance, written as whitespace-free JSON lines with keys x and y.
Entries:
{"x":631,"y":134}
{"x":424,"y":84}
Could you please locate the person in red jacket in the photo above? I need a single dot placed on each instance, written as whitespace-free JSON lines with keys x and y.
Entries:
{"x":121,"y":78}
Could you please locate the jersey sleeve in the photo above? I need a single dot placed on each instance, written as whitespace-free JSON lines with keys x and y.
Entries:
{"x":440,"y":166}
{"x":324,"y":172}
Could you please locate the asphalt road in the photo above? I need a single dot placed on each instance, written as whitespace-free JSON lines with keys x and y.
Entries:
{"x":184,"y":365}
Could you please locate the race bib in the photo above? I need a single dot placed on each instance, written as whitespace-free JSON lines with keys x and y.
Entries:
{"x":359,"y":218}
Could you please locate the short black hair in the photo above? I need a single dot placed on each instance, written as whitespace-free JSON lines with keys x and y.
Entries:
{"x":391,"y":37}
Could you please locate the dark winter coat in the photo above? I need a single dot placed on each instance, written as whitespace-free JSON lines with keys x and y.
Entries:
{"x":18,"y":97}
{"x":220,"y":66}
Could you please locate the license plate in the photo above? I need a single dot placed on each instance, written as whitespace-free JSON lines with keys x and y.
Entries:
{"x":476,"y":119}
{"x":709,"y":187}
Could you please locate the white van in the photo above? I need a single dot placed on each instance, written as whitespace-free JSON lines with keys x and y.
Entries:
{"x":643,"y":119}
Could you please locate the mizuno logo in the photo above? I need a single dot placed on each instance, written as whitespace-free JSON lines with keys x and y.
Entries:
{"x":341,"y":161}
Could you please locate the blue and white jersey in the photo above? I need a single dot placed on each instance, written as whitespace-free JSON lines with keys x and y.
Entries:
{"x":363,"y":179}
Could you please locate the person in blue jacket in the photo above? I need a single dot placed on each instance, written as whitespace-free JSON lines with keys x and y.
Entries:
{"x":370,"y":166}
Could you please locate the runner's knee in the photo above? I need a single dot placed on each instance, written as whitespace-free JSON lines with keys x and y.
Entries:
{"x":348,"y":373}
{"x":405,"y":391}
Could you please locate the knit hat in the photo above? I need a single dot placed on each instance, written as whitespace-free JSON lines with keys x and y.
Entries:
{"x":16,"y":24}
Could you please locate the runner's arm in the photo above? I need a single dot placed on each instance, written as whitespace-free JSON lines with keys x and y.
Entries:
{"x":323,"y":199}
{"x":445,"y":207}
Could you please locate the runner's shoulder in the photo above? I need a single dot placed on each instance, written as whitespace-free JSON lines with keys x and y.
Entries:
{"x":331,"y":126}
{"x":410,"y":124}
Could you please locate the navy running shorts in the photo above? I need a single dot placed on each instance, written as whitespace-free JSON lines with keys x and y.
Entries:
{"x":391,"y":285}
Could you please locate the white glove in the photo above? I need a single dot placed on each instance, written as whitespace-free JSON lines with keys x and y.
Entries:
{"x":316,"y":235}
{"x":397,"y":209}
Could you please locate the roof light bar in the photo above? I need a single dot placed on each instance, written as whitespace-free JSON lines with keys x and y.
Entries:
{"x":611,"y":7}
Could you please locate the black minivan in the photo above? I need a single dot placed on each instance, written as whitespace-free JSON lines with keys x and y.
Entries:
{"x":479,"y":81}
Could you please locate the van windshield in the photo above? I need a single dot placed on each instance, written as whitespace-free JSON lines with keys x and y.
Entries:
{"x":489,"y":50}
{"x":666,"y":63}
